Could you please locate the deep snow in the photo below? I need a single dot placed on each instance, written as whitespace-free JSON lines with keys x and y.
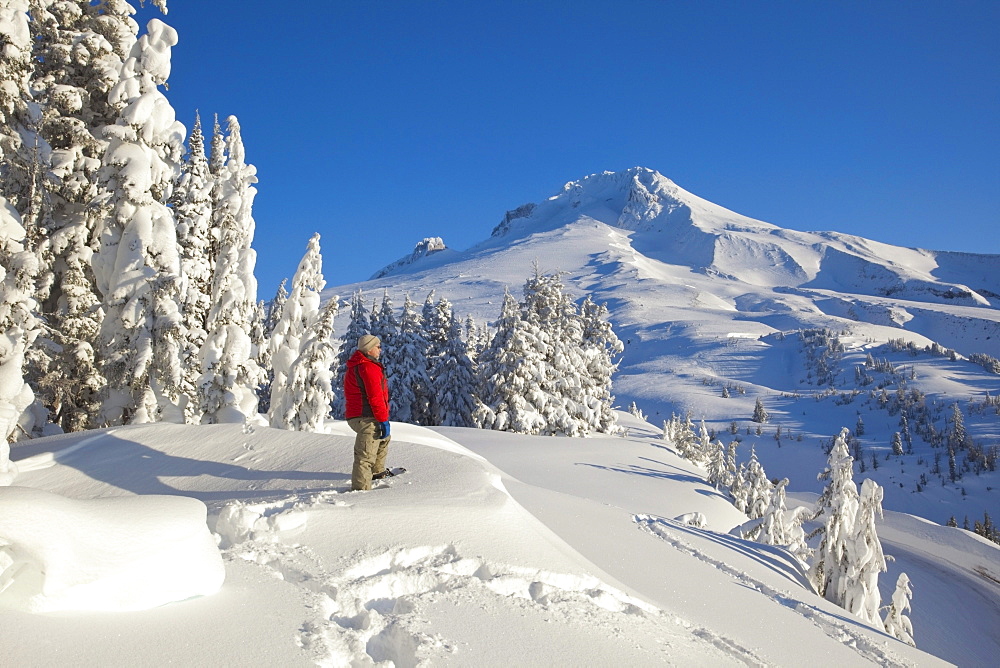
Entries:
{"x":492,"y":549}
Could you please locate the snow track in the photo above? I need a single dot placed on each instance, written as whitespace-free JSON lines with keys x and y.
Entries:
{"x":387,"y":607}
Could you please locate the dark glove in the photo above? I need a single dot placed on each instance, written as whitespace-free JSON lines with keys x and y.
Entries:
{"x":384,"y":429}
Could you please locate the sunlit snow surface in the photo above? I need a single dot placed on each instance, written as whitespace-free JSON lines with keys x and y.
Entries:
{"x":492,"y":549}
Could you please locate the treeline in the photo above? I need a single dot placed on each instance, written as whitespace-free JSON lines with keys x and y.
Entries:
{"x":543,"y":367}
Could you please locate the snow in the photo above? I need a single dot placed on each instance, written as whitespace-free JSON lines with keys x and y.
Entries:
{"x":492,"y":549}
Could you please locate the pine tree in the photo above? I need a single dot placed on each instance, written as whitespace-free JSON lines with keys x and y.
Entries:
{"x":138,"y":268}
{"x":192,"y":206}
{"x":718,"y":475}
{"x":436,"y":321}
{"x":409,"y":384}
{"x":298,"y":314}
{"x":552,"y":313}
{"x":739,"y":491}
{"x":601,"y":347}
{"x":271,"y":315}
{"x":758,"y":488}
{"x":79,"y":49}
{"x":865,"y":559}
{"x":837,"y":506}
{"x":897,"y":444}
{"x":760,"y":415}
{"x":782,"y":528}
{"x":311,"y":375}
{"x":510,"y":367}
{"x":897,"y":624}
{"x":958,"y":437}
{"x":230,"y":374}
{"x":455,"y":382}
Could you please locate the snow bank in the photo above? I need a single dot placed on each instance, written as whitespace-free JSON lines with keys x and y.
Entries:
{"x":115,"y":554}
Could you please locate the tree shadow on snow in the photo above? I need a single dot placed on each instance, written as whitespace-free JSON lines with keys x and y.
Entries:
{"x":137,"y":468}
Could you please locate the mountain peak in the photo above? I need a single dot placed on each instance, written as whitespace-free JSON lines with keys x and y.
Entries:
{"x":636,"y":199}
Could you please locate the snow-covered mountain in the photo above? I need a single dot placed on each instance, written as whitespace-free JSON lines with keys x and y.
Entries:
{"x":706,"y":299}
{"x":503,"y":549}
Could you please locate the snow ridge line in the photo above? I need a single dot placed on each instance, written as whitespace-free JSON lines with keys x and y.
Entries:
{"x":860,"y":643}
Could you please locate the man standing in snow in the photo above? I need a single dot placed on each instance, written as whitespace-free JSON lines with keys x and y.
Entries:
{"x":366,"y":395}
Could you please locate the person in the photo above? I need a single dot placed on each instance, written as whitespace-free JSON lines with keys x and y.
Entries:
{"x":366,"y":395}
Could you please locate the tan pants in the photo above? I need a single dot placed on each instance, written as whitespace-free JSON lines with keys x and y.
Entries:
{"x":369,"y":452}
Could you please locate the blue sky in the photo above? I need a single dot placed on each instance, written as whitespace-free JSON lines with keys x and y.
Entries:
{"x":379,"y":123}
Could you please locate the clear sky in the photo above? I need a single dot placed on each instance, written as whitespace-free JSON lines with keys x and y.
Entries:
{"x":379,"y":123}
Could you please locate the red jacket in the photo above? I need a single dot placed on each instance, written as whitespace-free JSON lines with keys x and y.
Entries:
{"x":366,"y":392}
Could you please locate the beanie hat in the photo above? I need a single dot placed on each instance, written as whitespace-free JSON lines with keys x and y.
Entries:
{"x":367,"y":342}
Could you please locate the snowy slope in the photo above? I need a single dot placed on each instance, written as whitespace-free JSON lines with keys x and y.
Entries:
{"x":493,"y":549}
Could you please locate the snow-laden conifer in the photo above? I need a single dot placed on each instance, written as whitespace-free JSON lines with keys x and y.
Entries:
{"x":358,"y":326}
{"x":18,"y":328}
{"x":271,"y":314}
{"x":781,"y":527}
{"x":510,"y":367}
{"x":311,"y":376}
{"x":717,"y":474}
{"x":298,"y":313}
{"x":758,"y":487}
{"x":435,"y":318}
{"x":230,"y":373}
{"x":409,"y":384}
{"x":739,"y":490}
{"x":192,"y":206}
{"x":79,"y":48}
{"x":454,"y":381}
{"x":601,"y":348}
{"x":138,"y":268}
{"x":549,"y":310}
{"x":897,"y":623}
{"x":837,"y":508}
{"x":760,"y":415}
{"x":864,"y":556}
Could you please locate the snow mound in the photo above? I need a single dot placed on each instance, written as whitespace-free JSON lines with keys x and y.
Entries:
{"x":114,"y":554}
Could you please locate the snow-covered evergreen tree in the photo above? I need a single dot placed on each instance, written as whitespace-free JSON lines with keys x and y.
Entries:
{"x":79,"y":49}
{"x":409,"y":384}
{"x":739,"y":491}
{"x":359,"y":325}
{"x":192,"y":205}
{"x":717,"y":474}
{"x":270,"y":315}
{"x":864,"y":557}
{"x":311,"y":376}
{"x":601,"y":348}
{"x":897,"y":624}
{"x":552,"y":313}
{"x":837,"y":507}
{"x":760,"y":415}
{"x":758,"y":487}
{"x":781,"y":527}
{"x":18,"y":328}
{"x":230,"y":374}
{"x":138,"y":268}
{"x":510,"y":368}
{"x":454,"y":380}
{"x":435,"y":317}
{"x":298,"y":314}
